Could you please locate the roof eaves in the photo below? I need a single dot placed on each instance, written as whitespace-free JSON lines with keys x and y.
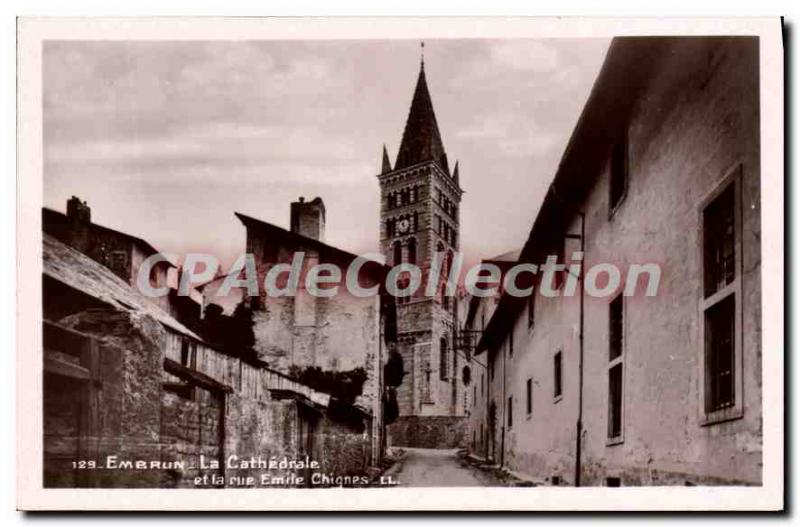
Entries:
{"x":373,"y":266}
{"x":149,"y":249}
{"x":629,"y":64}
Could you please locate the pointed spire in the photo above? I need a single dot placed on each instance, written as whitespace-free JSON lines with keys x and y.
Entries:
{"x":455,"y":172}
{"x":387,"y":165}
{"x":421,"y":139}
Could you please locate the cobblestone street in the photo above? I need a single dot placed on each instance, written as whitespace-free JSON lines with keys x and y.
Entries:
{"x":423,"y":467}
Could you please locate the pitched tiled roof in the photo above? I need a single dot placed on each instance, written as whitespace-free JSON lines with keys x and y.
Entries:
{"x":75,"y":269}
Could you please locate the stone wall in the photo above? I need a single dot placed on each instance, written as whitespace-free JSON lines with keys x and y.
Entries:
{"x":122,"y":409}
{"x":142,"y":401}
{"x":191,"y":427}
{"x":137,"y":411}
{"x":437,"y":431}
{"x":424,"y":391}
{"x":265,"y":429}
{"x":419,"y":343}
{"x":342,"y":449}
{"x":337,"y":334}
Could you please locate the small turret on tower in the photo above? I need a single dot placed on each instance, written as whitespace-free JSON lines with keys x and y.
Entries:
{"x":387,"y":165}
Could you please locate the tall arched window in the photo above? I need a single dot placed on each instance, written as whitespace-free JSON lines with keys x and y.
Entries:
{"x":397,"y":258}
{"x":412,"y":251}
{"x":448,"y":263}
{"x":442,"y":271}
{"x":443,"y":353}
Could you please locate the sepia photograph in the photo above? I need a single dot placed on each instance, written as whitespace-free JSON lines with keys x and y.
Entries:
{"x":303,"y":260}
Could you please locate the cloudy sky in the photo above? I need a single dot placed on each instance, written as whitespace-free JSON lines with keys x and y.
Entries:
{"x":165,"y":140}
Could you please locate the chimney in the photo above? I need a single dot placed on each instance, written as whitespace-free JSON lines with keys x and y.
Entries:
{"x":79,"y":217}
{"x":78,"y":211}
{"x":308,"y":218}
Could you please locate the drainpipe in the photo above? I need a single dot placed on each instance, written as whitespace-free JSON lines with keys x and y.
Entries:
{"x":485,"y":387}
{"x":503,"y":406}
{"x":486,"y":437}
{"x":579,"y":423}
{"x":223,"y":417}
{"x":454,"y":386}
{"x":381,"y":428}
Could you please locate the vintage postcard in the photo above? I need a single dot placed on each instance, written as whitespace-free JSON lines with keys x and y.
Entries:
{"x":400,"y":264}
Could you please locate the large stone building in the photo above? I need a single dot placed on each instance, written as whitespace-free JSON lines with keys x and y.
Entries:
{"x":339,"y":339}
{"x":420,"y":199}
{"x":662,"y":167}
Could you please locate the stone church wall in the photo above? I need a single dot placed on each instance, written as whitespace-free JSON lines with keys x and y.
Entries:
{"x":431,"y":431}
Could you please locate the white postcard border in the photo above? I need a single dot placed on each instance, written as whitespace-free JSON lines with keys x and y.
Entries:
{"x":31,"y":495}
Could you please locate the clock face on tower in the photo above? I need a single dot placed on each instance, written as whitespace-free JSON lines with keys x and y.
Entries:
{"x":403,"y":226}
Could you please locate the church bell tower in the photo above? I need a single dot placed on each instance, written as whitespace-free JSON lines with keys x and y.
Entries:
{"x":420,"y":205}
